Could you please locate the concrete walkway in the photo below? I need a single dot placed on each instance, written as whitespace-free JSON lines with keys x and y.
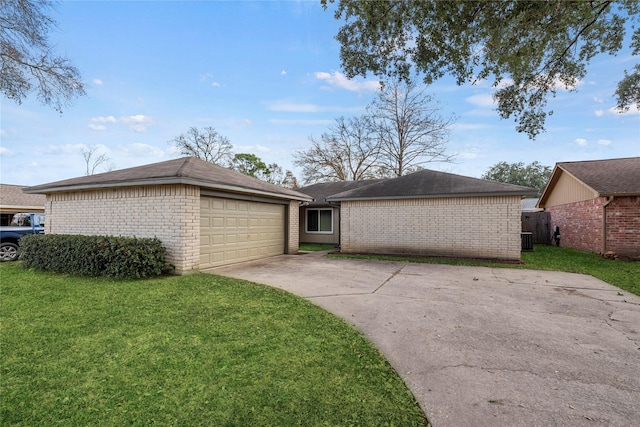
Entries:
{"x":483,"y":346}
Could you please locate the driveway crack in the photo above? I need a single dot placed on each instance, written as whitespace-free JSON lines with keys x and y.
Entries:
{"x":395,"y":273}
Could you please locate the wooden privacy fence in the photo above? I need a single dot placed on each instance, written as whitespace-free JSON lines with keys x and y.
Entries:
{"x":537,"y":223}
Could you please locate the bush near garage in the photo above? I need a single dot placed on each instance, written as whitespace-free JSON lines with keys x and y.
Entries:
{"x":94,"y":256}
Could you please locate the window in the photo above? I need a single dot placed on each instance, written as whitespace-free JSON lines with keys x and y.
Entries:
{"x":320,"y":221}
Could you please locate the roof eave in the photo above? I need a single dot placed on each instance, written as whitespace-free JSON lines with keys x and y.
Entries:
{"x":619,"y":194}
{"x":164,"y":181}
{"x":436,"y":196}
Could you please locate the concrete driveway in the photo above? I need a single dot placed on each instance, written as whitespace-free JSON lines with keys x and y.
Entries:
{"x":483,"y":346}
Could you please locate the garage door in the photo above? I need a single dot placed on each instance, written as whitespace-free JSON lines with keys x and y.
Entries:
{"x":236,"y":230}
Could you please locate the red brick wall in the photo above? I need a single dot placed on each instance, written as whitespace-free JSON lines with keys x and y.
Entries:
{"x":581,"y":225}
{"x":623,"y":226}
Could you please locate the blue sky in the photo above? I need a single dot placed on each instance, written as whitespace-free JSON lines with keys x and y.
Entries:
{"x":267,"y":76}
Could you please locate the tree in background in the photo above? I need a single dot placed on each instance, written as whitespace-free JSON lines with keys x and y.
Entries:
{"x":348,"y":151}
{"x":282,"y":178}
{"x":28,"y":62}
{"x":409,"y":128}
{"x":206,"y":144}
{"x":93,"y":159}
{"x":527,"y":49}
{"x":533,"y":175}
{"x":252,"y":165}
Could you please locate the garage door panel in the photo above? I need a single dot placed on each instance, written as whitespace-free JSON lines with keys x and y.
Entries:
{"x":236,"y":231}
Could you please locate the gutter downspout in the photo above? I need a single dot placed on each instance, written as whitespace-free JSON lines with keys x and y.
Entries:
{"x":604,"y":224}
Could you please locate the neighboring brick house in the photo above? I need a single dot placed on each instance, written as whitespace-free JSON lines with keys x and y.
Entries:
{"x":204,"y":214}
{"x":596,"y":205}
{"x":13,"y":200}
{"x":433,"y":213}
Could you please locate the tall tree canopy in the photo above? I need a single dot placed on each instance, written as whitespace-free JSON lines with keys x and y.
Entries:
{"x":205,"y":144}
{"x":27,"y":60}
{"x":527,"y":49}
{"x":533,"y":175}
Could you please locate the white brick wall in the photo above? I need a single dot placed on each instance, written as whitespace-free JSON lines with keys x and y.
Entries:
{"x":472,"y":227}
{"x":169,"y":212}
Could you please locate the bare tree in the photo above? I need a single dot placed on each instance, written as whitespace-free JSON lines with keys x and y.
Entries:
{"x":347,"y":152}
{"x":409,"y":126}
{"x":93,"y":159}
{"x":206,"y":144}
{"x":28,"y":62}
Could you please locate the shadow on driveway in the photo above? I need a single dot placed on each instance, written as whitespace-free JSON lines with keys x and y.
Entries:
{"x":483,"y":346}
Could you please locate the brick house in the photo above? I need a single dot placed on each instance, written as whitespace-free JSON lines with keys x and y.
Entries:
{"x":433,"y":213}
{"x":319,"y":219}
{"x":596,"y":205}
{"x":204,"y":214}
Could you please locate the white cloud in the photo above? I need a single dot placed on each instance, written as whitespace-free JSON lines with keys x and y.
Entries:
{"x":98,"y":82}
{"x":481,"y":100}
{"x":632,"y":110}
{"x":599,"y":113}
{"x":283,"y":73}
{"x":560,"y":85}
{"x":205,"y":77}
{"x":137,"y":123}
{"x":598,"y":99}
{"x":215,"y":84}
{"x":339,"y":80}
{"x":604,"y":142}
{"x":580,"y":141}
{"x":101,"y":119}
{"x":4,"y":151}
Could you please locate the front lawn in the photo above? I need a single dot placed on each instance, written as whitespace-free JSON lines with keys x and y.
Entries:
{"x":194,"y":350}
{"x":623,"y":274}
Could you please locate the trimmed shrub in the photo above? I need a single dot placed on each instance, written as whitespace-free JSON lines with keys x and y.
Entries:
{"x":94,"y":256}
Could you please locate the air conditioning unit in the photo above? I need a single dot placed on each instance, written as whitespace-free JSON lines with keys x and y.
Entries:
{"x":527,"y":241}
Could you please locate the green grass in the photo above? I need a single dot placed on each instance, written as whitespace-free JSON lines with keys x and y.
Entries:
{"x":623,"y":274}
{"x":316,"y":247}
{"x":194,"y":350}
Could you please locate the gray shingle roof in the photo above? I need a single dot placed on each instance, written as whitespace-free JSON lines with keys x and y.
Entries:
{"x":322,"y":190}
{"x":186,"y":170}
{"x":12,"y":195}
{"x":608,"y":177}
{"x":427,"y":183}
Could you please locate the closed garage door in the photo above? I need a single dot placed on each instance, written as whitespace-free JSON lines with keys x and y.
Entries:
{"x":236,"y":230}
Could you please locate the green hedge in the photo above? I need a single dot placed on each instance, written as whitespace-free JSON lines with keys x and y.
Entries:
{"x":94,"y":256}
